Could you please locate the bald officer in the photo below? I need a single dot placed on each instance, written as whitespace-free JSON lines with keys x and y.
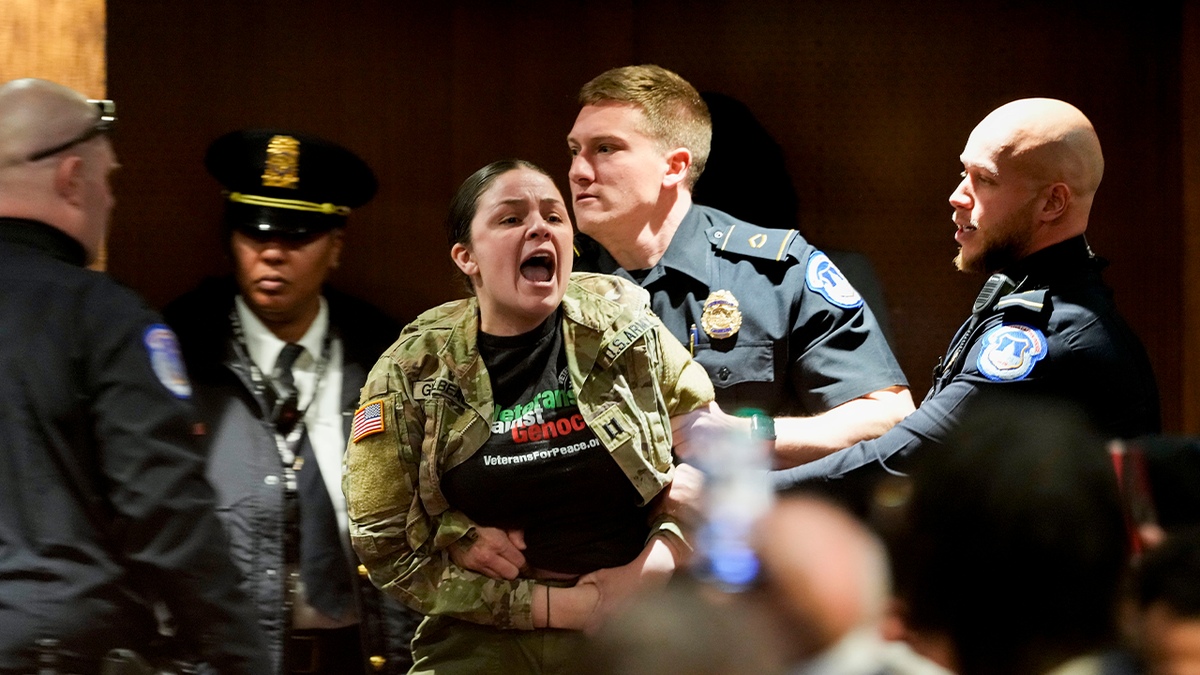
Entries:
{"x":1044,"y":322}
{"x":103,"y":502}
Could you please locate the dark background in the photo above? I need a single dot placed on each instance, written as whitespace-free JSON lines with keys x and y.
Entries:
{"x":871,"y":102}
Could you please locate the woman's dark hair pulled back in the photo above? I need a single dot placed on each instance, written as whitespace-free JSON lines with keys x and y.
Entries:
{"x":466,"y":201}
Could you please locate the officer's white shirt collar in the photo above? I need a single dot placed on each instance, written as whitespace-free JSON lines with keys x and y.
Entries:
{"x":264,"y":346}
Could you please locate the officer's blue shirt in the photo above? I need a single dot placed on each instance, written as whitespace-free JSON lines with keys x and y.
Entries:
{"x":807,"y":342}
{"x":1056,"y":334}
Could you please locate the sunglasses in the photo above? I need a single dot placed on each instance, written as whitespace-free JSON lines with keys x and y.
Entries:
{"x":106,"y":121}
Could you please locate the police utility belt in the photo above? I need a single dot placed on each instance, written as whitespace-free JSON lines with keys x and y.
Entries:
{"x":53,"y":659}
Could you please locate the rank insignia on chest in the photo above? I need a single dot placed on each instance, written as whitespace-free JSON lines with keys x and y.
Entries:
{"x":721,"y":318}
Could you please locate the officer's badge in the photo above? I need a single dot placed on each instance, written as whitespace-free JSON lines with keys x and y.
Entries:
{"x":1010,"y":351}
{"x":165,"y":359}
{"x":721,"y":318}
{"x":825,"y":278}
{"x":282,"y":168}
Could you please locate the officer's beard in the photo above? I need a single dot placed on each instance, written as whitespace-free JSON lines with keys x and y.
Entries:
{"x":1004,"y":243}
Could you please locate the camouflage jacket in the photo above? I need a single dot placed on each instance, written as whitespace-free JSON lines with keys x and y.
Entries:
{"x":630,"y":376}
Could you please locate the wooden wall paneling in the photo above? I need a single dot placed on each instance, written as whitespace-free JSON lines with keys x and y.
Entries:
{"x":1190,"y":151}
{"x":871,"y":102}
{"x":374,"y":76}
{"x":517,"y":70}
{"x":58,"y":40}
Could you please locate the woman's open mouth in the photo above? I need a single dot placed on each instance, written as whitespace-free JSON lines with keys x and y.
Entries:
{"x":538,"y":268}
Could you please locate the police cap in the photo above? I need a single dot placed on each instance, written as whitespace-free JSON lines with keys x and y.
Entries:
{"x":287,"y":184}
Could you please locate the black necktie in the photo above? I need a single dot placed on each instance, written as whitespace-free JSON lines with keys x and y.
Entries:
{"x":323,"y":565}
{"x":285,"y":412}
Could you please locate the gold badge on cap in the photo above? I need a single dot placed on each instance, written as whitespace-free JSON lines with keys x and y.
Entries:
{"x":721,"y":318}
{"x":282,"y":168}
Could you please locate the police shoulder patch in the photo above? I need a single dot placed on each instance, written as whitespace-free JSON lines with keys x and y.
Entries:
{"x":1010,"y":351}
{"x":823,"y":277}
{"x":166,"y":360}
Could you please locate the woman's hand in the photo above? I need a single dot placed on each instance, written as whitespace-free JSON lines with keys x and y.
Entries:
{"x":682,"y":499}
{"x":492,"y":552}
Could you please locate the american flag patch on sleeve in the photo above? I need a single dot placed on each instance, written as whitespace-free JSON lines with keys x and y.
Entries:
{"x":368,"y":420}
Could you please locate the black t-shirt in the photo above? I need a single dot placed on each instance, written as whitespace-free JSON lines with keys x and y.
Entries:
{"x":543,"y":470}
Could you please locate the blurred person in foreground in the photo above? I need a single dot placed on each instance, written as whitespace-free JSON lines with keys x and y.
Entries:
{"x":1013,"y":546}
{"x":1167,"y":624}
{"x":511,"y":443}
{"x":827,"y":582}
{"x":685,"y":629}
{"x":277,"y":358}
{"x":104,"y":510}
{"x":1045,"y":322}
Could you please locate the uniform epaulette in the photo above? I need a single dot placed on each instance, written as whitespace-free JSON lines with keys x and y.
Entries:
{"x":1029,"y":302}
{"x":753,"y":241}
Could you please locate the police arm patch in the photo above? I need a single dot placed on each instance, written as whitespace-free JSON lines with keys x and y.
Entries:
{"x":823,"y":277}
{"x":1010,"y":351}
{"x":367,"y":420}
{"x":166,"y":360}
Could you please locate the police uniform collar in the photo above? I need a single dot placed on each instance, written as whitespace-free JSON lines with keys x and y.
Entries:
{"x":1064,"y":260}
{"x":43,"y":237}
{"x":688,"y":250}
{"x":264,"y":346}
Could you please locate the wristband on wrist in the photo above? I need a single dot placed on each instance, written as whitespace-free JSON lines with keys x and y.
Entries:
{"x":762,"y":427}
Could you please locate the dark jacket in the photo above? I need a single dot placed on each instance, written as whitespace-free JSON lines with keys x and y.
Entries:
{"x":1056,"y":334}
{"x":103,"y":501}
{"x":244,"y":461}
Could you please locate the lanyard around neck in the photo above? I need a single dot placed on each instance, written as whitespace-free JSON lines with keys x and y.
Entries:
{"x":260,"y":380}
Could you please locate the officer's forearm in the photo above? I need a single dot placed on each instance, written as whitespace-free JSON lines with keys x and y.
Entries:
{"x":804,"y":439}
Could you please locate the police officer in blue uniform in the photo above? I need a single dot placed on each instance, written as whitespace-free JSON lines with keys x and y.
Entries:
{"x":776,"y":325}
{"x":1044,"y":323}
{"x":103,"y":504}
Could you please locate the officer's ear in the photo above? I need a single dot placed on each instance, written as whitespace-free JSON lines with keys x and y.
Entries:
{"x":1056,"y":199}
{"x":335,"y":255}
{"x":69,"y":180}
{"x":679,"y":164}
